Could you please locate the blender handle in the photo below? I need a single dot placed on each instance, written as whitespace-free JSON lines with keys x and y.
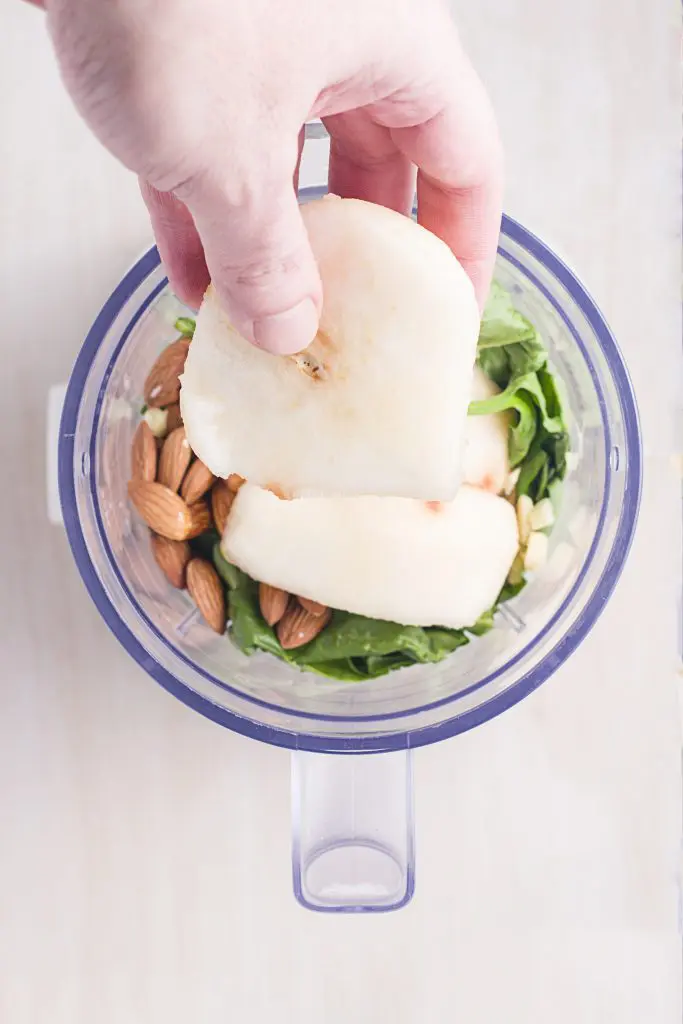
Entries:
{"x":353,"y":842}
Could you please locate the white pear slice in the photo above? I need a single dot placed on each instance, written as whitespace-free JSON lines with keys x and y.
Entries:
{"x":378,"y":403}
{"x":407,"y":561}
{"x":485,"y":455}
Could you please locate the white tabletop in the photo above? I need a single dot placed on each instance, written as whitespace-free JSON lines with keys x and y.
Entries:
{"x":144,"y":852}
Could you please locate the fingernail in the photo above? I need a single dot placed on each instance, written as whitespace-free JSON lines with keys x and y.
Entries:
{"x":288,"y":332}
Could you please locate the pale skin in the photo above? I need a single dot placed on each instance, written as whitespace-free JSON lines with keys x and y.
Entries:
{"x":205,"y":100}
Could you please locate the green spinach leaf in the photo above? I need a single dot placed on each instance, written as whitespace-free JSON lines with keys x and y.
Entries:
{"x":228,"y":572}
{"x":511,"y":352}
{"x":503,"y":325}
{"x":248,"y":628}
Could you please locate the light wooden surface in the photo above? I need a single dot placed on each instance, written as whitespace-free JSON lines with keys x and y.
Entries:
{"x":144,"y":873}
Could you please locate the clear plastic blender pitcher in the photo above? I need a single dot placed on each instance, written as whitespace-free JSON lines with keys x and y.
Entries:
{"x":353,"y":846}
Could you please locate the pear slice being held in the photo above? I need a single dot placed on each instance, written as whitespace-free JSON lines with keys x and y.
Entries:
{"x":377,"y":404}
{"x":413,"y":562}
{"x":485,"y":455}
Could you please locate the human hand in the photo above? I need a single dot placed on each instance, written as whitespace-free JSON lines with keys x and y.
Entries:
{"x":205,"y":102}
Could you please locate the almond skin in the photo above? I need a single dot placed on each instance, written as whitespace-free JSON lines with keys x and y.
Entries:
{"x":200,"y":519}
{"x":162,"y":386}
{"x":314,"y":607}
{"x":197,"y":482}
{"x":273,"y":602}
{"x":164,"y":511}
{"x":175,"y":457}
{"x":174,"y":419}
{"x":234,"y":482}
{"x":172,"y":557}
{"x":298,"y":627}
{"x":221,"y":503}
{"x":206,"y":590}
{"x":143,"y":453}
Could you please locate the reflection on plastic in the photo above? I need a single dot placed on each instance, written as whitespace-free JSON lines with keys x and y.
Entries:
{"x":353,"y":839}
{"x":55,"y":404}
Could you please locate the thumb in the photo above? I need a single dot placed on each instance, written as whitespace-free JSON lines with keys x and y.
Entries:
{"x":260,"y":261}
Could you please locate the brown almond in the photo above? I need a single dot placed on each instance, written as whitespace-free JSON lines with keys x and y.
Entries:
{"x":298,"y":627}
{"x":314,"y":607}
{"x":172,"y":557}
{"x":200,"y":519}
{"x":175,"y":457}
{"x":221,"y":503}
{"x":197,"y":482}
{"x":273,"y":602}
{"x":234,"y":482}
{"x":174,"y":419}
{"x":162,"y":509}
{"x":143,"y":463}
{"x":206,"y":590}
{"x":162,"y":386}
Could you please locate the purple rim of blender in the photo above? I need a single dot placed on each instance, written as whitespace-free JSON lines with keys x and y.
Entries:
{"x":408,"y":738}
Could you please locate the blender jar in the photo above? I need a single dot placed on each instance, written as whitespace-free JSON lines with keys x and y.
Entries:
{"x":353,"y":846}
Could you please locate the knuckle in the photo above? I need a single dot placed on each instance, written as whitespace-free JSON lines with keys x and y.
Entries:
{"x":262,"y":273}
